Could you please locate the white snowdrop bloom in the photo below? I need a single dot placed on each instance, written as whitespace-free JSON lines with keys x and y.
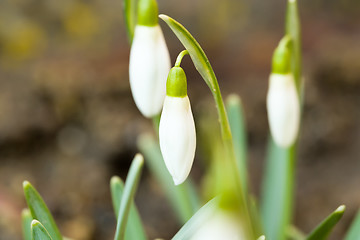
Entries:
{"x":220,"y":226}
{"x":283,"y":109}
{"x":149,"y":61}
{"x":177,"y":129}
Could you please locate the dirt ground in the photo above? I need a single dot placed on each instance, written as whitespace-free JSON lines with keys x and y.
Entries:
{"x":68,"y":121}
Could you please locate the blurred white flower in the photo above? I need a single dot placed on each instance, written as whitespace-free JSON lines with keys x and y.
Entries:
{"x":283,"y":109}
{"x":222,"y":225}
{"x":177,"y":137}
{"x":148,"y":67}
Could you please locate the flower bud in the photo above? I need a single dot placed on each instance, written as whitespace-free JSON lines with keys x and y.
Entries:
{"x":283,"y":104}
{"x":149,"y":61}
{"x":177,"y":129}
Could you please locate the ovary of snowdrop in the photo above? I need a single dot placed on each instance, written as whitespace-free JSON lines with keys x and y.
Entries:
{"x":149,"y":61}
{"x":177,"y":129}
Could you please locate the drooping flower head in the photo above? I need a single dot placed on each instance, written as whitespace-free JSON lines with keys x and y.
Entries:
{"x":283,"y":104}
{"x":177,"y":129}
{"x":149,"y":61}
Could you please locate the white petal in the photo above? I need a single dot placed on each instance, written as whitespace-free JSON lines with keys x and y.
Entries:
{"x":148,"y":68}
{"x":177,"y":137}
{"x":283,"y":109}
{"x":220,"y":226}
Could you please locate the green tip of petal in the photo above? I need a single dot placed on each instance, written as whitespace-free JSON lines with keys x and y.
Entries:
{"x":281,"y":62}
{"x":147,"y":13}
{"x":176,"y":85}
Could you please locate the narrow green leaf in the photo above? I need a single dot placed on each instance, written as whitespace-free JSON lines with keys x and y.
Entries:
{"x":197,"y":54}
{"x":134,"y":227}
{"x":203,"y":66}
{"x":238,"y":131}
{"x":278,"y":191}
{"x":38,"y":231}
{"x":201,"y":216}
{"x":261,"y":238}
{"x":117,"y":189}
{"x":354,"y":231}
{"x":129,"y":11}
{"x":183,"y":198}
{"x":131,"y":184}
{"x":40,"y":211}
{"x":322,"y":231}
{"x":26,"y":219}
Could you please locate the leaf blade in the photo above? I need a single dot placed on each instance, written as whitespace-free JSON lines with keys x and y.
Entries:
{"x":322,"y":231}
{"x":40,"y":211}
{"x":238,"y":131}
{"x":134,"y":228}
{"x":38,"y":231}
{"x":354,"y":231}
{"x":132,"y":181}
{"x":196,"y":221}
{"x":26,"y":220}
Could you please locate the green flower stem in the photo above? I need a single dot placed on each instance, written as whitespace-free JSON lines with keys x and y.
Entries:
{"x":279,"y":180}
{"x":292,"y":28}
{"x":322,"y":231}
{"x":131,"y":184}
{"x":26,"y":219}
{"x":129,"y":12}
{"x":203,"y":66}
{"x":180,"y":57}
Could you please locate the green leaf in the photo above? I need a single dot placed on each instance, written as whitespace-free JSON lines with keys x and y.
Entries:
{"x":238,"y":130}
{"x":201,"y":216}
{"x":129,"y":11}
{"x":203,"y":66}
{"x":38,"y":231}
{"x":26,"y":219}
{"x":40,"y":211}
{"x":278,"y":191}
{"x":132,"y":181}
{"x":322,"y":231}
{"x":354,"y":231}
{"x":183,"y":198}
{"x":134,"y":227}
{"x":197,"y":54}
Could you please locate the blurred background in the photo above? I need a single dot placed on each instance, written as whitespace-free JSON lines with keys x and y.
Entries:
{"x":68,"y":121}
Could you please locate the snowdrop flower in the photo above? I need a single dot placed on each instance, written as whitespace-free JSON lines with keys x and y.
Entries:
{"x":177,"y":129}
{"x":283,"y":104}
{"x":149,"y":61}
